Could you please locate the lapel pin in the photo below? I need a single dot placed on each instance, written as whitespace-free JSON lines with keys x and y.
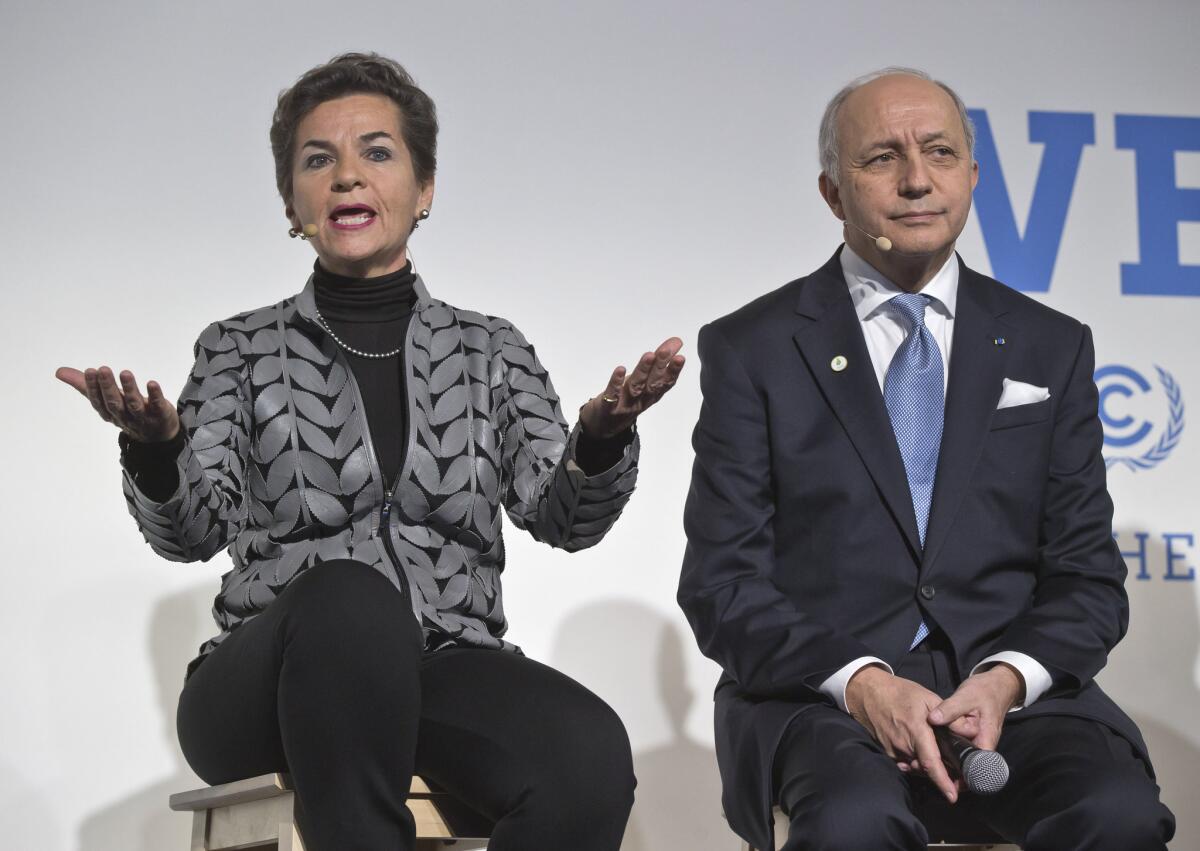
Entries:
{"x":838,"y":363}
{"x":998,"y":341}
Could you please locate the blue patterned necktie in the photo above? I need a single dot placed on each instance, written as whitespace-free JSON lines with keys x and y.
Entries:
{"x":914,"y":393}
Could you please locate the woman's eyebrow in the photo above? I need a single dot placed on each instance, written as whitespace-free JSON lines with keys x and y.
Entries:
{"x":364,"y":139}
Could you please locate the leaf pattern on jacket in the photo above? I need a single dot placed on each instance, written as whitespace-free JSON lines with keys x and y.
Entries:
{"x":278,"y":468}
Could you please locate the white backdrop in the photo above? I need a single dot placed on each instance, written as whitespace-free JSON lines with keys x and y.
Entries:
{"x":610,"y":174}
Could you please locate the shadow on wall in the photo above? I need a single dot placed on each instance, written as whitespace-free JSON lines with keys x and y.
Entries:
{"x":633,"y":657}
{"x":1152,"y":676}
{"x":142,"y":821}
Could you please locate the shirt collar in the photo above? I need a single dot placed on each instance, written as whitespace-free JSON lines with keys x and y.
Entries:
{"x":871,"y":290}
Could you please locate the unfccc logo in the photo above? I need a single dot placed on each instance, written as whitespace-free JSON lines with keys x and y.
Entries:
{"x":1139,"y":429}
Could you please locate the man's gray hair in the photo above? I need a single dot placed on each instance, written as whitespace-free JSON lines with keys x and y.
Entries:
{"x":828,"y":138}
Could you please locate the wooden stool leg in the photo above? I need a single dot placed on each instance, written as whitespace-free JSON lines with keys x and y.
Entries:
{"x":289,"y":838}
{"x":199,"y":830}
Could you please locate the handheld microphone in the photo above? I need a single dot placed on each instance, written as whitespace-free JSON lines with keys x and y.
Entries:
{"x":881,"y":242}
{"x":983,"y":772}
{"x":311,"y":230}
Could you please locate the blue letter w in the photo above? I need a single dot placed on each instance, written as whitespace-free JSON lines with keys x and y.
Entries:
{"x":1027,"y":263}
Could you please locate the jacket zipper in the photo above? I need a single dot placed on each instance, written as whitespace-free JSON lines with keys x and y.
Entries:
{"x":385,"y":511}
{"x":383,"y":524}
{"x":385,"y":531}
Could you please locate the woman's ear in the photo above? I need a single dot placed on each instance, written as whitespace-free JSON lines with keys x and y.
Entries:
{"x":425,"y":200}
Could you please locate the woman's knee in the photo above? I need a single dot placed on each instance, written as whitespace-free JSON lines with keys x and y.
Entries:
{"x":588,"y":763}
{"x":609,"y":751}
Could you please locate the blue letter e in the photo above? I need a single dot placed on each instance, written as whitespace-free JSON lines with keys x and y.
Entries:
{"x":1028,"y":263}
{"x":1161,"y":204}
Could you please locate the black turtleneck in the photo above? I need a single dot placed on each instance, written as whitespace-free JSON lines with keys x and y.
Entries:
{"x":372,"y":315}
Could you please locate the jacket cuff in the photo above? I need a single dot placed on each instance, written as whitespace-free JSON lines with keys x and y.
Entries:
{"x":619,"y":462}
{"x":594,"y":455}
{"x":153,"y":468}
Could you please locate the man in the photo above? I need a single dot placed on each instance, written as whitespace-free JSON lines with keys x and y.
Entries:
{"x":898,"y":520}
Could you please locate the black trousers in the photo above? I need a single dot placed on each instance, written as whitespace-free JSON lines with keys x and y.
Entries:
{"x":331,"y":684}
{"x":1074,"y":783}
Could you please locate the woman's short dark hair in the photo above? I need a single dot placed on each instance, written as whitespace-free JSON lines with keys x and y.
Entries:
{"x":351,"y":74}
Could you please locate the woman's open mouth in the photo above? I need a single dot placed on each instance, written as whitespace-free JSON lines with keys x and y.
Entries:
{"x":351,"y":216}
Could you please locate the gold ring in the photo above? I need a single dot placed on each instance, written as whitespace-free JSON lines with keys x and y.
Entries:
{"x":610,"y":400}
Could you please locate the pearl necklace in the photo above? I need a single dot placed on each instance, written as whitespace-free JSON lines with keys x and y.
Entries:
{"x":351,"y":349}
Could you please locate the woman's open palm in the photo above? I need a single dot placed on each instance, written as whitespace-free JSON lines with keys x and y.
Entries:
{"x":149,"y":419}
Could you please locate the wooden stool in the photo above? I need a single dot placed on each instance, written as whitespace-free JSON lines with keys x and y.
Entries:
{"x":258,"y":813}
{"x":781,"y":831}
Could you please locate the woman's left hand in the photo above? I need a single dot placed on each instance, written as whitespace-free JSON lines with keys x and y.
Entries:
{"x":627,"y":397}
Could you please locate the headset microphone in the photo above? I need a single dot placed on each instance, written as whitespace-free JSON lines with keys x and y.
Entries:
{"x":881,"y":242}
{"x":311,"y":230}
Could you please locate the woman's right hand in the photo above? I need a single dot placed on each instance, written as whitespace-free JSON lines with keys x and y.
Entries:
{"x":148,"y":419}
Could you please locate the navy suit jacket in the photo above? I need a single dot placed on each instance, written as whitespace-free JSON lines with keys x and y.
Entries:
{"x":803,"y":551}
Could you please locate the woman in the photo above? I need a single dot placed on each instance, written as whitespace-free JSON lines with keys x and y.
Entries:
{"x":355,"y":445}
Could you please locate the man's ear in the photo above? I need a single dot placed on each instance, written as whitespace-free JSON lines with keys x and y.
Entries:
{"x":831,"y":194}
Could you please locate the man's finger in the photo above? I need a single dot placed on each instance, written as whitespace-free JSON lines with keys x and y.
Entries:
{"x":989,"y":734}
{"x":931,"y":764}
{"x":967,"y":726}
{"x":951,"y":709}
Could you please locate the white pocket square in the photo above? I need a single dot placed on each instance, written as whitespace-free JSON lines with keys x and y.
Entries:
{"x":1019,"y":393}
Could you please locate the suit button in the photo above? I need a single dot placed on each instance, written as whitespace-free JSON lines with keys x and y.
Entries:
{"x":927,"y":591}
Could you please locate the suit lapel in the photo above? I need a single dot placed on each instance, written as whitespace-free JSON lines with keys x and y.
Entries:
{"x":829,"y":329}
{"x":977,"y":363}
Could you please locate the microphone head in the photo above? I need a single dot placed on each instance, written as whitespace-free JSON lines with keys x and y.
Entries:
{"x":311,"y":230}
{"x":881,"y":242}
{"x":984,"y":772}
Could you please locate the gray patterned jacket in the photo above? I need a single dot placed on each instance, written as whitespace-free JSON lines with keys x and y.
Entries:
{"x":279,"y":463}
